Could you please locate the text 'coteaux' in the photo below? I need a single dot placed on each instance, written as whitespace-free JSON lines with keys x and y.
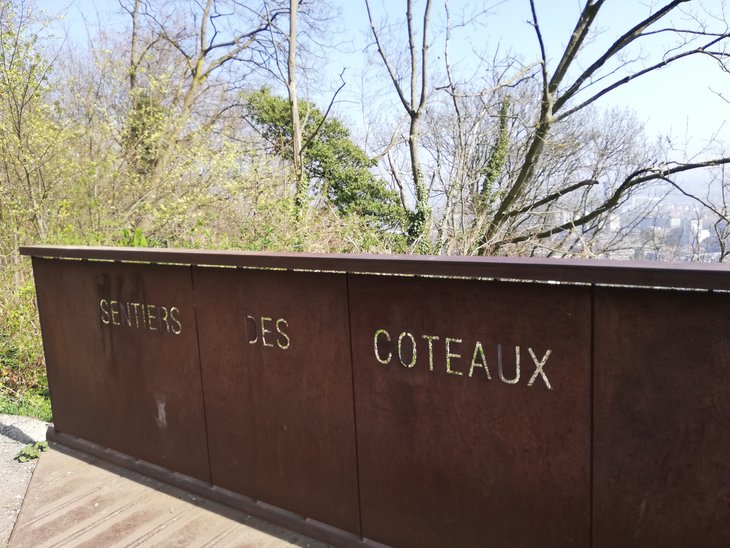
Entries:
{"x":457,"y":357}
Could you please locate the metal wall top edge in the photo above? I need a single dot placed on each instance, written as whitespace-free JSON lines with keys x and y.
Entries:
{"x":587,"y":271}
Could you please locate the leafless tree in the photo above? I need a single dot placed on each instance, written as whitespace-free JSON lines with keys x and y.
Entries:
{"x":569,"y":89}
{"x":291,"y":85}
{"x":212,"y":45}
{"x":530,"y":161}
{"x":412,"y":87}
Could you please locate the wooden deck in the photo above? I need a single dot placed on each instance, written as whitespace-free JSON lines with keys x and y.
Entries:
{"x":77,"y":500}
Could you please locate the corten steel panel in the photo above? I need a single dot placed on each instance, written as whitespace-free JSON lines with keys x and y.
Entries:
{"x":118,"y":376}
{"x":279,"y":397}
{"x":662,"y":418}
{"x":448,"y":457}
{"x":638,"y":273}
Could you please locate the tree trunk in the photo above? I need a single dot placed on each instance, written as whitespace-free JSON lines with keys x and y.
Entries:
{"x":297,"y":152}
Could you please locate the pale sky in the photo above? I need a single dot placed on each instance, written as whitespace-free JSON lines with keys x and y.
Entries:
{"x":677,"y":100}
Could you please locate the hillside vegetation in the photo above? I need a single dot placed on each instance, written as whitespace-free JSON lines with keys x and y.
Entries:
{"x":219,"y":124}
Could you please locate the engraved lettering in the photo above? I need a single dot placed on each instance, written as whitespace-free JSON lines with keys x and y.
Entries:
{"x":450,"y":354}
{"x":283,"y":345}
{"x":384,"y":361}
{"x":255,"y":329}
{"x":479,"y":351}
{"x":124,"y":313}
{"x":147,"y":316}
{"x":176,"y":330}
{"x":163,"y":319}
{"x":151,"y":316}
{"x":539,"y":365}
{"x":114,"y":307}
{"x":136,"y":314}
{"x":258,"y":327}
{"x":430,"y":339}
{"x":400,"y":349}
{"x":482,"y":354}
{"x":517,"y":365}
{"x":264,"y":331}
{"x":104,"y":306}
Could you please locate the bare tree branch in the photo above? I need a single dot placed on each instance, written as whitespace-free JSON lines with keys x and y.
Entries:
{"x":630,"y":77}
{"x":552,"y":197}
{"x":626,"y":39}
{"x":391,"y":72}
{"x":697,"y":199}
{"x":637,"y":178}
{"x":543,"y":55}
{"x":585,"y":21}
{"x":326,"y":114}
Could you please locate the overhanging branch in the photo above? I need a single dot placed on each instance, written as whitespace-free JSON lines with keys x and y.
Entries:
{"x":635,"y":179}
{"x":551,"y":197}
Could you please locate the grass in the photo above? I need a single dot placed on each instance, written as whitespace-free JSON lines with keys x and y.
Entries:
{"x":27,"y":404}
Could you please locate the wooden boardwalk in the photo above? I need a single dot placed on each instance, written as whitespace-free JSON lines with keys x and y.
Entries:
{"x":77,"y":500}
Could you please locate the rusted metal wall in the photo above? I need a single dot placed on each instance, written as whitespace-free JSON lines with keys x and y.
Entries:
{"x":391,"y":408}
{"x":122,"y":358}
{"x":473,"y":411}
{"x":275,"y":357}
{"x":662,"y":418}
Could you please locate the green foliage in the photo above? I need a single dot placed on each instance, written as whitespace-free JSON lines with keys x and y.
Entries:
{"x":418,"y":221}
{"x":80,"y":157}
{"x":498,"y":152}
{"x":23,"y":382}
{"x":27,"y":404}
{"x":21,"y":350}
{"x":337,"y":168}
{"x":144,"y":131}
{"x":133,"y":238}
{"x":28,"y":129}
{"x":32,"y":451}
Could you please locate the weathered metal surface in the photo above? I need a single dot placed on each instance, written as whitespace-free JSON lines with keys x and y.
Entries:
{"x":455,"y":450}
{"x":613,"y":433}
{"x":587,"y":271}
{"x":275,"y":357}
{"x":122,"y":359}
{"x":662,"y":418}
